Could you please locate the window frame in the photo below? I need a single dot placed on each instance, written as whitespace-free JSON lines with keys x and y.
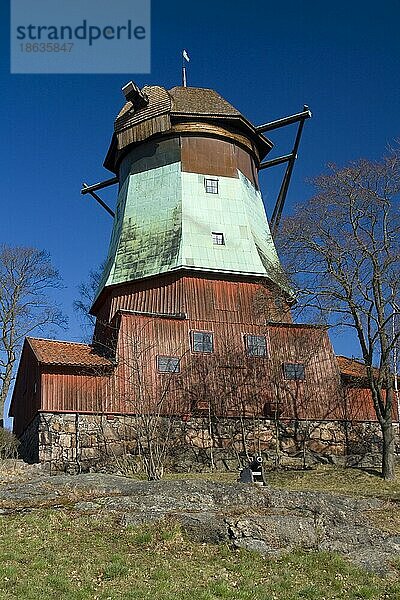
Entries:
{"x":211,"y":185}
{"x":218,"y":241}
{"x":248,"y":346}
{"x":174,"y":371}
{"x":192,"y":341}
{"x":295,"y":376}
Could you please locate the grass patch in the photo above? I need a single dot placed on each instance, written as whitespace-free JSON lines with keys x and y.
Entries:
{"x":323,"y":478}
{"x":337,"y":480}
{"x":58,"y":554}
{"x":386,"y":518}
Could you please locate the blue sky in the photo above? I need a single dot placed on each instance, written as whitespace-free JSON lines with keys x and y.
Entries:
{"x":266,"y":58}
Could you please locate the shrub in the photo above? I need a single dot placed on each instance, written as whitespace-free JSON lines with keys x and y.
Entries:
{"x":9,"y":444}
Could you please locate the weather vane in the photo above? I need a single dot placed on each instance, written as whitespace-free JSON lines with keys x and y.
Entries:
{"x":185,"y":59}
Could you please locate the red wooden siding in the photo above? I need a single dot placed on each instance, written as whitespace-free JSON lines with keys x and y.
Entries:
{"x":360,"y":406}
{"x":232,"y":382}
{"x":27,"y":390}
{"x":76,"y":390}
{"x":142,"y":338}
{"x":198,"y":298}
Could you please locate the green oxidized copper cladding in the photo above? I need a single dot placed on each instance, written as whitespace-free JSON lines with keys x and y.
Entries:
{"x":148,"y":226}
{"x":238,"y":213}
{"x":165,"y":220}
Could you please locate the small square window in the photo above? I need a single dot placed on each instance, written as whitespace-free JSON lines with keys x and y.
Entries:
{"x":211,"y":186}
{"x":168,"y":364}
{"x":202,"y":341}
{"x":218,"y":238}
{"x":256,"y":345}
{"x":294,"y":371}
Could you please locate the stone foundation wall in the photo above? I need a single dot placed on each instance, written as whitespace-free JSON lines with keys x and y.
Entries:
{"x":74,"y":443}
{"x":29,"y":442}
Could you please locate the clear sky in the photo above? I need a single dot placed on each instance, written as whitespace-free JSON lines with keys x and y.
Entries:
{"x":266,"y":58}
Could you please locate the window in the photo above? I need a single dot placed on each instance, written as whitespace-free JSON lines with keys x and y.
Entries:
{"x":294,"y":371}
{"x":202,"y":341}
{"x":272,"y":410}
{"x":211,"y":186}
{"x":200,"y":406}
{"x":256,"y":345}
{"x":168,"y":364}
{"x":218,"y":238}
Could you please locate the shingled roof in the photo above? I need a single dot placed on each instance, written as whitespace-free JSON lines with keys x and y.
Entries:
{"x":158,"y":107}
{"x":352,"y":367}
{"x":54,"y":352}
{"x":166,"y":107}
{"x":200,"y":101}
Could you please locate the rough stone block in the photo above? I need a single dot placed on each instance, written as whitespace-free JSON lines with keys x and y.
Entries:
{"x":339,"y":435}
{"x":199,"y":439}
{"x":327,"y":435}
{"x":88,"y":440}
{"x":65,"y":440}
{"x":45,"y":438}
{"x":87,"y":453}
{"x":266,"y":435}
{"x":317,"y":446}
{"x":56,"y":453}
{"x":69,"y":427}
{"x":287,"y":442}
{"x":69,"y":454}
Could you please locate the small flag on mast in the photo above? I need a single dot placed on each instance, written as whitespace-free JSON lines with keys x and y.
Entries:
{"x":185,"y":56}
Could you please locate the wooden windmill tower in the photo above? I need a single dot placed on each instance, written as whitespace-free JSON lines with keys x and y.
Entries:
{"x":193,"y":300}
{"x":190,"y":233}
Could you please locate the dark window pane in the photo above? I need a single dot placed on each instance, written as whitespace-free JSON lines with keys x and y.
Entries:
{"x":272,"y":410}
{"x":202,"y":341}
{"x":168,"y":364}
{"x":256,"y":345}
{"x":294,"y":371}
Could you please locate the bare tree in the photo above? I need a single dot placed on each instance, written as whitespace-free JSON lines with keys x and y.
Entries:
{"x":221,"y":385}
{"x":151,"y":408}
{"x":152,"y":403}
{"x":343,"y":248}
{"x":26,"y":276}
{"x":87,"y":294}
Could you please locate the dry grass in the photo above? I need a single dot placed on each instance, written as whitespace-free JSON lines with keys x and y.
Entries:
{"x":337,"y":480}
{"x":386,"y":518}
{"x":58,"y":554}
{"x":324,"y":478}
{"x":12,"y":470}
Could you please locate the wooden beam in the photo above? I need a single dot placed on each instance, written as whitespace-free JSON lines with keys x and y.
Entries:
{"x":305,"y":114}
{"x":88,"y":189}
{"x":275,"y":161}
{"x":98,"y":199}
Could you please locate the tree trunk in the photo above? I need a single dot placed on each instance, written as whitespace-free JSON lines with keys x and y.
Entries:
{"x":388,"y":463}
{"x":5,"y":387}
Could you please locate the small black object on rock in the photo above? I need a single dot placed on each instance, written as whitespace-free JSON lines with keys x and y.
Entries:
{"x":254,"y":472}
